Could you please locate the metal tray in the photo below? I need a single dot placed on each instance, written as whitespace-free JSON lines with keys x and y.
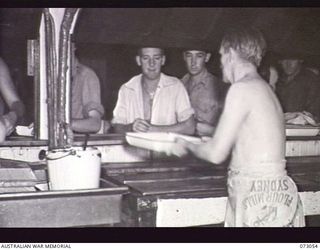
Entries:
{"x":299,"y":130}
{"x":157,"y":141}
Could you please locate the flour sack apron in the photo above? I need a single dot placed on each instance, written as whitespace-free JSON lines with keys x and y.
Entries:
{"x":263,"y":198}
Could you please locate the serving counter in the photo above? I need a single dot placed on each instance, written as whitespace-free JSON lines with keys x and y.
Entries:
{"x":193,"y":192}
{"x":139,"y":188}
{"x":114,"y":148}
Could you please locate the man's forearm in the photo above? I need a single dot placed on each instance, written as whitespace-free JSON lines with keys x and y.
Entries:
{"x":10,"y":122}
{"x":7,"y":88}
{"x":206,"y":152}
{"x":204,"y":129}
{"x":18,"y":107}
{"x":122,"y":128}
{"x":186,"y":127}
{"x":88,"y":125}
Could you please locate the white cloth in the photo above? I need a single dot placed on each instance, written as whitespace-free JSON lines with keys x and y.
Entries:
{"x":267,"y":197}
{"x":170,"y":105}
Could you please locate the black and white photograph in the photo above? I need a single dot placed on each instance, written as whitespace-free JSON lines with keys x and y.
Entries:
{"x":142,"y":117}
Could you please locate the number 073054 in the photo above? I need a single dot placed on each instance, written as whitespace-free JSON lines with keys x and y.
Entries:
{"x":308,"y":245}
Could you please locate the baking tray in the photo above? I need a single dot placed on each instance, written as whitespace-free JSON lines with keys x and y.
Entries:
{"x":157,"y":141}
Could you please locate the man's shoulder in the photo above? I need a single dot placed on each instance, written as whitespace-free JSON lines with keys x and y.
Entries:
{"x":241,"y":88}
{"x":3,"y":65}
{"x":309,"y":74}
{"x":132,"y":83}
{"x":170,"y":80}
{"x":250,"y":90}
{"x":83,"y":68}
{"x":2,"y":61}
{"x":210,"y":81}
{"x":242,"y":96}
{"x":211,"y":77}
{"x":86,"y":71}
{"x":185,"y":78}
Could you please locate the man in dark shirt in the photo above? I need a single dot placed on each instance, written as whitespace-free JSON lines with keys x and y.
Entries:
{"x":204,"y":89}
{"x":86,"y":108}
{"x":298,"y":88}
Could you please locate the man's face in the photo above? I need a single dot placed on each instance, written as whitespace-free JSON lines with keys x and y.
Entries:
{"x":195,"y":61}
{"x":225,"y":65}
{"x":151,"y":60}
{"x":290,"y":66}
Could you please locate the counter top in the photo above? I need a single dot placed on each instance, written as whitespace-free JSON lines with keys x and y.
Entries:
{"x":194,"y":176}
{"x":94,"y":140}
{"x":104,"y":139}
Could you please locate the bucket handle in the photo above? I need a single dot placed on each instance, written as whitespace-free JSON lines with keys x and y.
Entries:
{"x":43,"y":155}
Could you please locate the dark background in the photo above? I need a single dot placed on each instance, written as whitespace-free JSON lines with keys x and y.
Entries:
{"x":107,"y":39}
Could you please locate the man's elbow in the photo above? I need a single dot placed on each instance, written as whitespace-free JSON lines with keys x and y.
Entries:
{"x":91,"y":125}
{"x":95,"y":125}
{"x":95,"y":129}
{"x":217,"y":158}
{"x":190,"y":126}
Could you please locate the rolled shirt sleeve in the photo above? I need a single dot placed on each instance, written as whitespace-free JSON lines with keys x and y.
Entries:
{"x":91,"y":95}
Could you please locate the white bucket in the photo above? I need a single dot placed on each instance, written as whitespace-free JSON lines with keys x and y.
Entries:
{"x":74,"y":168}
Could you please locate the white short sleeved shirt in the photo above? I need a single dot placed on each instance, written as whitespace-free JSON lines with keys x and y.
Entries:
{"x":170,"y":105}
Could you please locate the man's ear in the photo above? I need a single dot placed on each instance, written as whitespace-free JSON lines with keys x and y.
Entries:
{"x":163,"y":60}
{"x":138,"y":60}
{"x":208,"y":55}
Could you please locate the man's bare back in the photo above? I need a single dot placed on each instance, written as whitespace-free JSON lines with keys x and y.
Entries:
{"x":260,"y":135}
{"x":251,"y":126}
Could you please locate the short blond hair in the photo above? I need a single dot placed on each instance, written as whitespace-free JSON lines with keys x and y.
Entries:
{"x":248,"y":42}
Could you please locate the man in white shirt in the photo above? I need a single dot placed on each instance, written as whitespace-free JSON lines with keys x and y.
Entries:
{"x":153,"y":101}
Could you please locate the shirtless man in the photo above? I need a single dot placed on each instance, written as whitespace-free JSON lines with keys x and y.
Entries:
{"x":252,"y":128}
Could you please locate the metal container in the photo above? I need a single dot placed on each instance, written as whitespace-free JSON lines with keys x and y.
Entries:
{"x":69,"y":208}
{"x":71,"y":169}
